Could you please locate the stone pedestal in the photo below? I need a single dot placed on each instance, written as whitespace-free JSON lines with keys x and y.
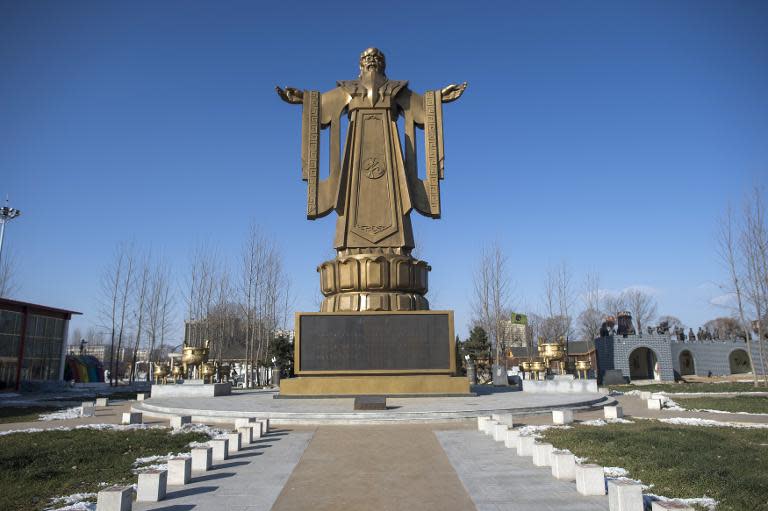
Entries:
{"x":563,"y":465}
{"x":390,"y":353}
{"x":152,"y":485}
{"x":246,"y":435}
{"x":525,"y":445}
{"x":202,"y":459}
{"x":500,"y":432}
{"x":504,"y":418}
{"x":625,"y":496}
{"x":562,"y":417}
{"x":613,"y":412}
{"x":510,"y":442}
{"x":220,"y":449}
{"x":654,"y":404}
{"x":179,"y":471}
{"x":87,"y":410}
{"x":234,"y":443}
{"x":658,"y":505}
{"x":590,"y":479}
{"x":102,"y":401}
{"x":131,"y":418}
{"x":542,"y":455}
{"x":115,"y":498}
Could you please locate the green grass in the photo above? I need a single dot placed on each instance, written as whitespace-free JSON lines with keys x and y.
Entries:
{"x":726,"y":464}
{"x":750,"y":404}
{"x":35,"y":467}
{"x":693,"y":387}
{"x":24,"y":413}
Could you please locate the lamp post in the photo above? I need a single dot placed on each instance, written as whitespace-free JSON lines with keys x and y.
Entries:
{"x":7,"y":214}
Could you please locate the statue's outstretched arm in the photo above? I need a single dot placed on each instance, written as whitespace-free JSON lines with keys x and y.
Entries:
{"x":452,"y":92}
{"x":290,"y":95}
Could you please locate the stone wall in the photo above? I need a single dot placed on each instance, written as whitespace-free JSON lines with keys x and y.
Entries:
{"x":708,"y":356}
{"x":712,"y":356}
{"x":613,"y":353}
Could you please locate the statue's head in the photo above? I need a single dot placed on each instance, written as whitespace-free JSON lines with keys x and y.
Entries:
{"x":372,"y":59}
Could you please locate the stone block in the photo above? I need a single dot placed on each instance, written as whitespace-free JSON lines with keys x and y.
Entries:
{"x":504,"y":418}
{"x":370,"y":403}
{"x":511,"y":439}
{"x":202,"y":459}
{"x":87,"y":410}
{"x":562,"y":416}
{"x":563,"y":465}
{"x":179,"y":471}
{"x":246,"y":435}
{"x":613,"y":412}
{"x":525,"y":445}
{"x":220,"y":449}
{"x":257,"y":428}
{"x":490,"y":427}
{"x":115,"y":498}
{"x":542,"y":454}
{"x":152,"y":485}
{"x":177,"y":421}
{"x":481,"y":422}
{"x":234,"y":443}
{"x":659,"y":505}
{"x":102,"y":401}
{"x":141,"y":396}
{"x":265,"y":426}
{"x":654,"y":404}
{"x":244,"y":422}
{"x":625,"y":496}
{"x":500,"y":432}
{"x":645,"y":395}
{"x":590,"y":479}
{"x":131,"y":418}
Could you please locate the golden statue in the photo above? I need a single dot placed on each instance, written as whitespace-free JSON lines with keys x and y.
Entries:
{"x":373,"y":185}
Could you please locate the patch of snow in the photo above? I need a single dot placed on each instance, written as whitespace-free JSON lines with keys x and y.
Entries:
{"x":705,"y":502}
{"x":69,"y":413}
{"x":615,"y":472}
{"x":729,"y":413}
{"x":603,"y":422}
{"x":74,"y":502}
{"x":535,"y":431}
{"x":581,"y":460}
{"x":201,"y":428}
{"x":667,"y":402}
{"x":693,"y":421}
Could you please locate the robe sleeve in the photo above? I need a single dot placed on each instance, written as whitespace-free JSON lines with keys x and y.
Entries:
{"x":321,"y":111}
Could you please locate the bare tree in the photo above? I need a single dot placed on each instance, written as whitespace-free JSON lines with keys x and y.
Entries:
{"x":613,"y":303}
{"x":8,"y":284}
{"x":159,"y":303}
{"x":140,"y":302}
{"x":591,"y":319}
{"x":727,"y":248}
{"x":754,"y":248}
{"x":116,"y":284}
{"x":559,"y":302}
{"x":642,"y":306}
{"x":492,"y":295}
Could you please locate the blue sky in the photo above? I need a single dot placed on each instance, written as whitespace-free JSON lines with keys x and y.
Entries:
{"x":611,"y":135}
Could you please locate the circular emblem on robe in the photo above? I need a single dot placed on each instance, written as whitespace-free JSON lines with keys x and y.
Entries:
{"x":373,"y":167}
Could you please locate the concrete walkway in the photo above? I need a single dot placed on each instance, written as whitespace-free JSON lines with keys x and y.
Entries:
{"x":499,"y":480}
{"x":249,"y":480}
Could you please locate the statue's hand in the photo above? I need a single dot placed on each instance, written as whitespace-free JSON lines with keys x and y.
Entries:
{"x":290,"y":95}
{"x":453,"y":92}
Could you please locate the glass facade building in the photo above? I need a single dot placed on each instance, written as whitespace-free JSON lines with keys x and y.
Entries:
{"x":32,"y":342}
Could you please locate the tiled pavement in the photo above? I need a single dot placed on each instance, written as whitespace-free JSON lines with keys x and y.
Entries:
{"x":249,"y":480}
{"x":499,"y":480}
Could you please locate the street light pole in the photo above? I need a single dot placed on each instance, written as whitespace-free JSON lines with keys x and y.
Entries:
{"x":7,"y":214}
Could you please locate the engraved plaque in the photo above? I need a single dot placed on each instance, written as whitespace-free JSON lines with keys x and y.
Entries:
{"x":387,"y":342}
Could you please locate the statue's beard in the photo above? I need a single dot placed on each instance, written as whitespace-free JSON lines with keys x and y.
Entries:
{"x":372,"y":68}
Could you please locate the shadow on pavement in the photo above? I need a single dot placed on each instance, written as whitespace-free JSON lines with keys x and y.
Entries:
{"x":190,"y":491}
